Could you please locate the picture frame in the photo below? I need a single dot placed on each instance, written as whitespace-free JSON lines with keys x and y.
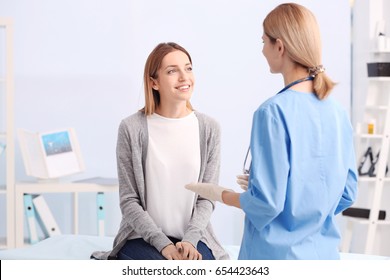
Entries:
{"x":51,"y":155}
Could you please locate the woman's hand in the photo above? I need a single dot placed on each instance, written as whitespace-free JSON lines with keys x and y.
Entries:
{"x":170,"y":252}
{"x":188,"y":251}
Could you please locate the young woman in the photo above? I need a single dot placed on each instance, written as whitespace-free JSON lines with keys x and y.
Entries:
{"x":303,"y":169}
{"x":160,"y":149}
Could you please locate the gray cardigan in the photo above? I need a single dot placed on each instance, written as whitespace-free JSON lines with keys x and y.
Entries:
{"x":131,"y":156}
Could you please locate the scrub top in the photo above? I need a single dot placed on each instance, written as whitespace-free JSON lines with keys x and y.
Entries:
{"x":303,"y":173}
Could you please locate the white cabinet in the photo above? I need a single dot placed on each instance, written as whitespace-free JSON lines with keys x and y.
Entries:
{"x":74,"y":188}
{"x":7,"y":165}
{"x":372,"y":147}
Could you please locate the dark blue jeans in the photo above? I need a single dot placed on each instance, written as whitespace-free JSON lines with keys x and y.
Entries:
{"x":139,"y":249}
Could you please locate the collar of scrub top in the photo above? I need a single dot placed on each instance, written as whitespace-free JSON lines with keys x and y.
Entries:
{"x":246,"y":169}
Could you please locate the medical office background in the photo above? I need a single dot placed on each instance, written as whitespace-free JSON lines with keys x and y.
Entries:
{"x":79,"y":63}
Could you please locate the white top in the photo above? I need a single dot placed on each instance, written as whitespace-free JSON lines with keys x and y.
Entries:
{"x":173,"y":160}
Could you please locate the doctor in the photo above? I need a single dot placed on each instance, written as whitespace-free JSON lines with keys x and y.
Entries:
{"x":303,"y":170}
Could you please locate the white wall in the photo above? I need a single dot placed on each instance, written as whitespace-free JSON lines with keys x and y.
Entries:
{"x":80,"y":63}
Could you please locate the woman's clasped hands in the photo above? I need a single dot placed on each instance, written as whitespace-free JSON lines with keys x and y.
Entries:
{"x":181,"y":251}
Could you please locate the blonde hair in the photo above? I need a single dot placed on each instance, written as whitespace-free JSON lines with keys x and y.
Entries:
{"x":152,"y":65}
{"x":297,"y":28}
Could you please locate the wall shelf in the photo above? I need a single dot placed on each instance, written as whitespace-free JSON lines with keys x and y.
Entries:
{"x":369,"y":136}
{"x":372,"y":179}
{"x":379,"y":107}
{"x":379,"y":79}
{"x":380,"y":181}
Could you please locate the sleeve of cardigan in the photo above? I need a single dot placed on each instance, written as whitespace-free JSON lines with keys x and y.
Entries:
{"x":129,"y":163}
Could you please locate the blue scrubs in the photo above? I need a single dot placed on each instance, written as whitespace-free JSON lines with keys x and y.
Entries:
{"x":303,"y":173}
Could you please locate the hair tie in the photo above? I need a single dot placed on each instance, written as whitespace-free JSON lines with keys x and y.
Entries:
{"x":314,"y":71}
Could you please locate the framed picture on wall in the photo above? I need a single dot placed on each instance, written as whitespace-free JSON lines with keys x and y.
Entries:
{"x":51,"y":154}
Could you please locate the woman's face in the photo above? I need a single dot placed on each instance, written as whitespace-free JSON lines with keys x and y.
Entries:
{"x":175,"y":80}
{"x":270,"y":52}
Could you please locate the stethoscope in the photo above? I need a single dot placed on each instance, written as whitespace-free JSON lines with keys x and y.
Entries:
{"x":247,"y":168}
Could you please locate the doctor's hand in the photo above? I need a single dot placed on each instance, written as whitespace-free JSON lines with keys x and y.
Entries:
{"x":188,"y":251}
{"x":208,"y":190}
{"x":243,"y":181}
